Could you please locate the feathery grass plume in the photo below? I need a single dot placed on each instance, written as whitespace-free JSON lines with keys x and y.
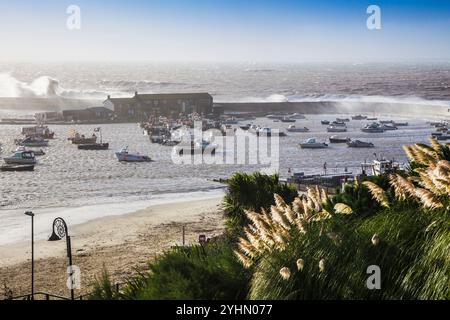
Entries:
{"x":342,"y":208}
{"x":428,"y":199}
{"x":297,"y":206}
{"x":375,"y":239}
{"x":285,"y":273}
{"x":410,"y":153}
{"x":279,"y":202}
{"x":290,"y":214}
{"x":377,"y":193}
{"x":247,"y":248}
{"x":300,"y":264}
{"x":246,"y":262}
{"x":427,"y":182}
{"x":436,"y":146}
{"x":302,"y":225}
{"x":427,"y":150}
{"x":278,"y":216}
{"x":253,"y":238}
{"x":322,"y":265}
{"x":402,"y":186}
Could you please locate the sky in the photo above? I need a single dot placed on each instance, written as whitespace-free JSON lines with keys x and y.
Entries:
{"x":224,"y":30}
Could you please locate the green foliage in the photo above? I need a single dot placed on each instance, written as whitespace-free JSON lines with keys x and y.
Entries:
{"x":414,"y":262}
{"x":195,"y":272}
{"x":252,"y":192}
{"x":104,"y":289}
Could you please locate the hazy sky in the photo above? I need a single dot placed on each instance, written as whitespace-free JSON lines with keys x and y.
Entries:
{"x":224,"y":30}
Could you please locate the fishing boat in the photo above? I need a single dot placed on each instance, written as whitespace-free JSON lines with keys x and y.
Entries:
{"x":334,"y":128}
{"x":32,"y":142}
{"x":21,"y":157}
{"x":311,"y":143}
{"x":8,"y":167}
{"x":125,"y":156}
{"x":359,"y":117}
{"x":337,"y":139}
{"x":360,"y":144}
{"x":38,"y":131}
{"x":325,"y":122}
{"x":82,"y":139}
{"x":372,"y":128}
{"x":292,"y":128}
{"x":95,"y":146}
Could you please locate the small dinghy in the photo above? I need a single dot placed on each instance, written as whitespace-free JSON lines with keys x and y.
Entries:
{"x":23,"y":167}
{"x":125,"y":156}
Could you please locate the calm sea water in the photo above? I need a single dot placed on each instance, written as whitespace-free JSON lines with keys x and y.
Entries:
{"x":66,"y":176}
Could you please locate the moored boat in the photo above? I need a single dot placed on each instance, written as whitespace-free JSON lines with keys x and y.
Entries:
{"x":21,"y":167}
{"x":360,"y":144}
{"x":94,"y":146}
{"x":334,"y":128}
{"x":387,"y":126}
{"x":125,"y":156}
{"x":372,"y":128}
{"x":359,"y":117}
{"x":292,"y":128}
{"x":343,"y":119}
{"x":337,"y":139}
{"x":325,"y":122}
{"x":311,"y":143}
{"x":32,"y":142}
{"x":285,"y":119}
{"x":21,"y":157}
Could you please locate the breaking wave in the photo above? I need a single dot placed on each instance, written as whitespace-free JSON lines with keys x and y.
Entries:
{"x":40,"y":87}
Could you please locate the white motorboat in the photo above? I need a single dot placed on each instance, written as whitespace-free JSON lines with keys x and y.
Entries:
{"x":37,"y":153}
{"x":21,"y":157}
{"x":311,"y":143}
{"x":292,"y":128}
{"x":125,"y":156}
{"x":333,"y":128}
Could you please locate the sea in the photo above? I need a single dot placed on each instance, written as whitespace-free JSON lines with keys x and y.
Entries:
{"x":85,"y":185}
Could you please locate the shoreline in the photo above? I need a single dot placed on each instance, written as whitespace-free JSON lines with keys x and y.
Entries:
{"x":15,"y":225}
{"x":121,"y":243}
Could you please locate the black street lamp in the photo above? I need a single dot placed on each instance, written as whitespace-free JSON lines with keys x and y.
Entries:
{"x":31,"y":214}
{"x":60,"y":231}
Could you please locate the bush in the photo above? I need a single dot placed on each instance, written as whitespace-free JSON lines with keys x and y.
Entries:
{"x":208,"y":272}
{"x":252,"y":192}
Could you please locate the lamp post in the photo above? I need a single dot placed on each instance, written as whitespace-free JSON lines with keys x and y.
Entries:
{"x":60,"y":231}
{"x":31,"y":214}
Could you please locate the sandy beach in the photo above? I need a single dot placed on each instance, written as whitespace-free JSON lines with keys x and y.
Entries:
{"x":122,"y":244}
